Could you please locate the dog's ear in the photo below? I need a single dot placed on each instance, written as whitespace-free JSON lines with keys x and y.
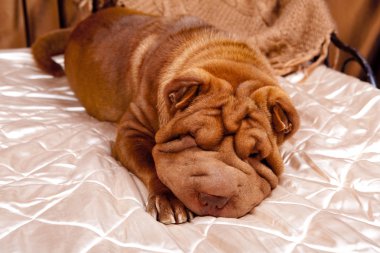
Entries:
{"x":184,"y":88}
{"x":280,"y":120}
{"x":283,"y":115}
{"x":182,"y":97}
{"x":285,"y":119}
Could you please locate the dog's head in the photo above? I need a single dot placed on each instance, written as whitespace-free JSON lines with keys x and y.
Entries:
{"x":219,"y":149}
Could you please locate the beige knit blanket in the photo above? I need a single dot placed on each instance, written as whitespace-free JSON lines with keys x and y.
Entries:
{"x":289,"y":32}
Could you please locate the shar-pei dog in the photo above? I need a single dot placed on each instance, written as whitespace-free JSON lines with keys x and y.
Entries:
{"x":200,"y":114}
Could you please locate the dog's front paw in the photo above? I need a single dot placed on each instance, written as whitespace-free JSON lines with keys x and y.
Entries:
{"x":167,"y":209}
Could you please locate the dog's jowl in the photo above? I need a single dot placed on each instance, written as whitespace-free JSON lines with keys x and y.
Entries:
{"x":200,"y":115}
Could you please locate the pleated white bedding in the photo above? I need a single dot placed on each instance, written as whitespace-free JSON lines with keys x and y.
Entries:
{"x":61,"y":191}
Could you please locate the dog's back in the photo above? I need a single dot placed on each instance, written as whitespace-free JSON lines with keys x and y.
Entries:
{"x":100,"y":58}
{"x":118,"y":55}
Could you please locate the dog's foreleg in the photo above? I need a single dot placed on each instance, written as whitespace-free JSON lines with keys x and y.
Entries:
{"x":133,"y":148}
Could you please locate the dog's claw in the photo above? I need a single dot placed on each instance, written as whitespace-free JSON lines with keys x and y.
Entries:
{"x":181,"y":218}
{"x":167,"y":209}
{"x":152,"y":211}
{"x":190,"y":215}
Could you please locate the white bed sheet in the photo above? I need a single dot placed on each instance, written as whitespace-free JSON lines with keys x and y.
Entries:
{"x":61,"y":191}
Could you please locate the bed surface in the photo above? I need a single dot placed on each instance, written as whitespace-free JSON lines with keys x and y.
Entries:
{"x":61,"y":191}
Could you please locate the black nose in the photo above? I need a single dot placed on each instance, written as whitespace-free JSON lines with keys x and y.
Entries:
{"x":212,"y":201}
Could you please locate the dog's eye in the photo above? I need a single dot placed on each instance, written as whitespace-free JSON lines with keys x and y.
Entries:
{"x":254,"y":155}
{"x":265,"y":162}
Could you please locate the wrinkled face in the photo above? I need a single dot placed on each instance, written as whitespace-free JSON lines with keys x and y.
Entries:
{"x":218,"y":153}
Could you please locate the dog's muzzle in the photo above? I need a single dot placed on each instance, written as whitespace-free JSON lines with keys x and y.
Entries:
{"x":216,"y":183}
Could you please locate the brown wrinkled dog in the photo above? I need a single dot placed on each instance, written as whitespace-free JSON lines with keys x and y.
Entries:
{"x":200,"y":115}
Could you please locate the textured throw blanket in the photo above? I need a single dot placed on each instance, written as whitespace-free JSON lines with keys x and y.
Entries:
{"x":290,"y":33}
